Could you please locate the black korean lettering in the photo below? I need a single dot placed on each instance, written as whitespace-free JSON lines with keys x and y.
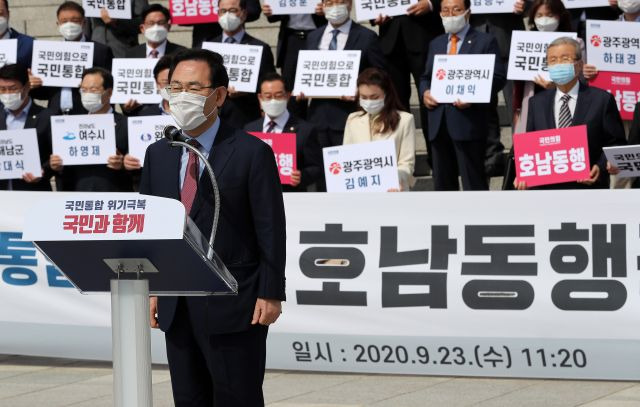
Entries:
{"x":498,"y":294}
{"x":435,"y":295}
{"x":441,"y":247}
{"x":615,"y":249}
{"x":389,"y":254}
{"x":586,"y":295}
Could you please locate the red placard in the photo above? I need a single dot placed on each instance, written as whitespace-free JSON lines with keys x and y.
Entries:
{"x":193,"y":11}
{"x":625,"y":88}
{"x":552,"y":156}
{"x":284,"y":150}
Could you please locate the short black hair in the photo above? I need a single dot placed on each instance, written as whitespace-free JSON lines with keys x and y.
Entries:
{"x":152,"y":8}
{"x":17,"y":72}
{"x":467,"y":4}
{"x":163,"y":63}
{"x":218,"y":75}
{"x":272,"y":77}
{"x":107,"y":79}
{"x":70,"y":5}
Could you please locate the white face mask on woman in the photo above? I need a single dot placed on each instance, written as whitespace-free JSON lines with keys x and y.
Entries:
{"x":187,"y":109}
{"x":547,"y":24}
{"x":372,"y":106}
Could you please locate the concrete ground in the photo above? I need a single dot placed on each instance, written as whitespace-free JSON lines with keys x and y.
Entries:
{"x":32,"y":381}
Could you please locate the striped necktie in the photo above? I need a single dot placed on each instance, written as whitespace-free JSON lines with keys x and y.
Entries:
{"x":564,"y":119}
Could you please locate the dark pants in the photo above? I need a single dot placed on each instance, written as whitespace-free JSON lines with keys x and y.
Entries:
{"x":452,"y":158}
{"x":214,"y":370}
{"x":494,"y":162}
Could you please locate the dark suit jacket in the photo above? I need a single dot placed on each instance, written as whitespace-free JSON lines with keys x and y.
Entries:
{"x":332,"y":113}
{"x":140,"y":51}
{"x":597,"y":109}
{"x":240,"y":110}
{"x":211,"y":30}
{"x":100,"y":178}
{"x":37,"y":118}
{"x":470,"y":123}
{"x":281,"y":50}
{"x":25,"y":47}
{"x":251,"y":231}
{"x":308,"y":150}
{"x":416,"y":31}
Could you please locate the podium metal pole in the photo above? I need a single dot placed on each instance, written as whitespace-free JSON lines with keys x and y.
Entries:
{"x":131,"y":343}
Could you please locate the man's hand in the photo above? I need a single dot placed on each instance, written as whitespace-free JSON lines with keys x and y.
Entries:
{"x":520,"y":185}
{"x":153,"y":312}
{"x":104,"y":15}
{"x":30,"y":178}
{"x":593,"y":176}
{"x":232,"y":92}
{"x":429,"y":101}
{"x":34,"y":81}
{"x":589,"y":71}
{"x":612,"y":169}
{"x":266,"y":10}
{"x":543,"y":83}
{"x":300,"y":97}
{"x":55,"y":162}
{"x":296,"y":177}
{"x":461,"y":105}
{"x":419,"y":8}
{"x":380,"y":20}
{"x":613,"y":3}
{"x":518,"y":7}
{"x":131,"y":105}
{"x":266,"y":311}
{"x":115,"y":161}
{"x":348,"y":98}
{"x":319,"y":10}
{"x":131,"y":163}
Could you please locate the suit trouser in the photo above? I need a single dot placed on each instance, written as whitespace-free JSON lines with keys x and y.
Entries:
{"x":214,"y":370}
{"x":452,"y":158}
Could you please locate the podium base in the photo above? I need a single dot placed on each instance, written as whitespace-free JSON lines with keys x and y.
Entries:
{"x":131,"y":343}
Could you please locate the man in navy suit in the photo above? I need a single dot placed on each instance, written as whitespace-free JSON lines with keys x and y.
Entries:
{"x":573,"y":103}
{"x":216,"y":346}
{"x":458,"y":132}
{"x":25,"y":42}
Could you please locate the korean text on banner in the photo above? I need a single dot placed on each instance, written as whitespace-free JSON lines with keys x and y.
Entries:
{"x":625,"y":88}
{"x":284,"y":150}
{"x":242,"y":62}
{"x":83,"y":139}
{"x":371,"y":9}
{"x":288,"y":7}
{"x":528,"y":54}
{"x":19,"y":153}
{"x":61,"y":63}
{"x":464,"y":77}
{"x":118,"y":9}
{"x":193,"y":11}
{"x":613,"y":45}
{"x":8,"y":51}
{"x":585,"y":3}
{"x":327,"y":73}
{"x":366,"y":167}
{"x":144,"y":131}
{"x":133,"y":80}
{"x":492,"y":6}
{"x":552,"y":156}
{"x":625,"y":158}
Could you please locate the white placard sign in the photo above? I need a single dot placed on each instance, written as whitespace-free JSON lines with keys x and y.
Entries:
{"x":133,"y":79}
{"x":366,"y":167}
{"x":286,"y":7}
{"x":585,"y":3}
{"x":613,"y":45}
{"x":61,"y":63}
{"x":464,"y":77}
{"x":19,"y":153}
{"x":492,"y":6}
{"x":144,"y":131}
{"x":116,"y":8}
{"x":625,"y":158}
{"x":327,"y":73}
{"x":371,"y":9}
{"x":83,"y":139}
{"x":8,"y":51}
{"x":528,"y":54}
{"x":242,"y":62}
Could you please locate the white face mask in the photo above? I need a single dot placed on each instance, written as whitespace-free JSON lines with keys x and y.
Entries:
{"x":548,"y":24}
{"x":274,"y":107}
{"x":164,"y":94}
{"x":4,"y":25}
{"x":337,"y":14}
{"x":629,"y":6}
{"x":11,"y":101}
{"x":92,"y":102}
{"x":229,"y":22}
{"x":70,"y":30}
{"x":187,"y":109}
{"x":454,"y":24}
{"x":157,"y":33}
{"x":372,"y":106}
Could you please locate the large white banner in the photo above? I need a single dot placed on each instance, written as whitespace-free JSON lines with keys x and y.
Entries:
{"x":61,"y":63}
{"x":613,"y":45}
{"x":528,"y":54}
{"x":435,"y":283}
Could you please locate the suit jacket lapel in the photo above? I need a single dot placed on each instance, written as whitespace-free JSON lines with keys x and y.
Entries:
{"x":3,"y":119}
{"x":549,"y":110}
{"x":468,"y":42}
{"x":352,"y":38}
{"x":582,"y":106}
{"x":30,"y":123}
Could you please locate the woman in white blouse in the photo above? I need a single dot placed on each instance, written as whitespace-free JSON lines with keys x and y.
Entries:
{"x":380,"y":118}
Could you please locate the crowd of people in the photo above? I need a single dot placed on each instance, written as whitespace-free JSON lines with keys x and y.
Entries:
{"x":463,"y":139}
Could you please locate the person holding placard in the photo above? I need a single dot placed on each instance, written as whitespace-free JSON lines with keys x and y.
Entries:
{"x":573,"y":103}
{"x":95,"y":90}
{"x":274,"y":96}
{"x":579,"y":16}
{"x":458,"y":132}
{"x":20,"y":112}
{"x":209,"y":30}
{"x":381,"y":118}
{"x":341,"y":33}
{"x":71,"y":21}
{"x":630,"y":10}
{"x":25,"y":42}
{"x":118,"y":34}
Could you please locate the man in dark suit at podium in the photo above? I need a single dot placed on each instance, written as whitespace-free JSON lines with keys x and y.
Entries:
{"x":216,"y":346}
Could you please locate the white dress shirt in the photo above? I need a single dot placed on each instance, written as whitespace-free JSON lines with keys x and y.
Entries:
{"x":280,"y":121}
{"x":342,"y":36}
{"x":573,"y":92}
{"x":162,"y":48}
{"x":17,"y":122}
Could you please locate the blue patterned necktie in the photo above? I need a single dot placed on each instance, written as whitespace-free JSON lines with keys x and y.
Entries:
{"x":333,"y":45}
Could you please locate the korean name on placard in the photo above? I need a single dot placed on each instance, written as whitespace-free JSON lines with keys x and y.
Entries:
{"x":355,"y":166}
{"x":11,"y":156}
{"x":623,"y":44}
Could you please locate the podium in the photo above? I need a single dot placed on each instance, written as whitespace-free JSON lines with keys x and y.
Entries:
{"x":132,"y":246}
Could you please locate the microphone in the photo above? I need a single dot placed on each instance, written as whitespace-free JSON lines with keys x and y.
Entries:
{"x":172,"y":133}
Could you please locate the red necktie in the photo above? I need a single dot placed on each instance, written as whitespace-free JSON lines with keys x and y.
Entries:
{"x":190,"y":184}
